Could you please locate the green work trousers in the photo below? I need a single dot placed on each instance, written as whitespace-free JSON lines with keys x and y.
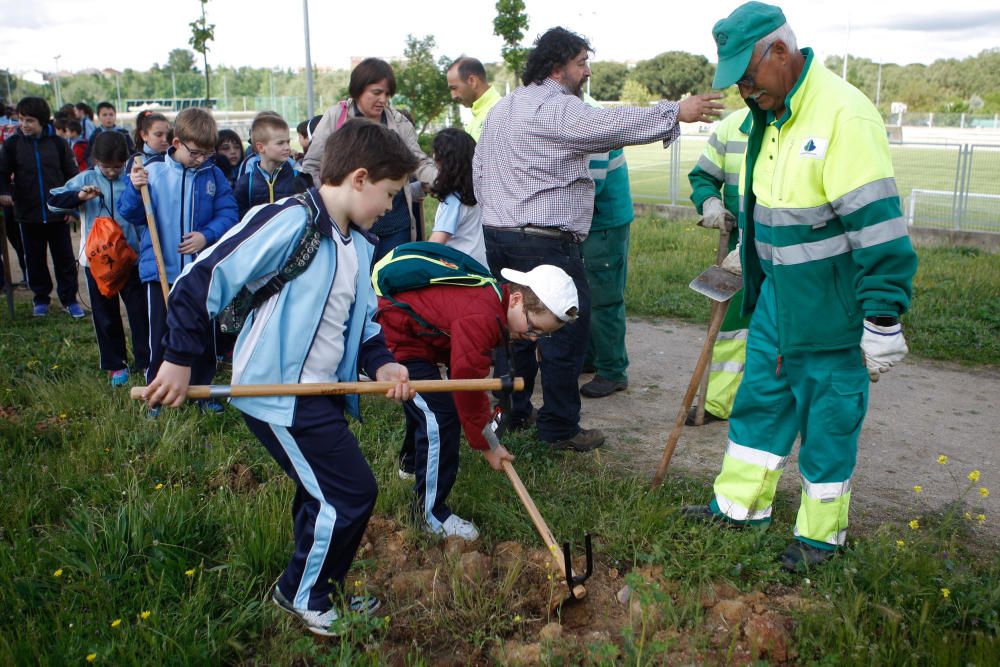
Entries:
{"x":605,"y":256}
{"x":822,"y":396}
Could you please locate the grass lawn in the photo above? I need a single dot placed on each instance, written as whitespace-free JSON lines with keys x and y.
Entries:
{"x":133,"y":541}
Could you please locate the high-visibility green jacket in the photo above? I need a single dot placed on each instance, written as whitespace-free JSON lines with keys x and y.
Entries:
{"x":820,"y":215}
{"x":720,"y":164}
{"x":612,"y":191}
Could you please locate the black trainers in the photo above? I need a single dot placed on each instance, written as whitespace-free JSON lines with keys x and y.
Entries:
{"x":799,"y":556}
{"x":600,"y":387}
{"x":585,"y":440}
{"x":709,"y":417}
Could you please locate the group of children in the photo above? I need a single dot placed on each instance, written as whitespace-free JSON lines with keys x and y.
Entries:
{"x":225,"y":228}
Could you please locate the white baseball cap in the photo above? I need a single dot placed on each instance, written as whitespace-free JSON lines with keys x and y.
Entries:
{"x":553,"y":286}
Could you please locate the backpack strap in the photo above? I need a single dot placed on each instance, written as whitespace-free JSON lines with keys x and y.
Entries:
{"x":343,"y":116}
{"x":298,"y":261}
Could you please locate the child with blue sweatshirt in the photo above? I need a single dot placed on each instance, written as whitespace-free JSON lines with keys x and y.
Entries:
{"x":318,"y":327}
{"x":92,"y":194}
{"x":193,"y":206}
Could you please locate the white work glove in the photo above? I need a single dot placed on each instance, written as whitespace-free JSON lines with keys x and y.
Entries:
{"x":715,"y":216}
{"x":883,"y":347}
{"x":732,"y":262}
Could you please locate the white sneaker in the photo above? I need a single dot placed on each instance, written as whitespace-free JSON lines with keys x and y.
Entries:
{"x":319,"y":622}
{"x":456,"y":526}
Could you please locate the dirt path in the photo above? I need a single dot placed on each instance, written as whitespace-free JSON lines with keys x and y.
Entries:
{"x":919,"y":410}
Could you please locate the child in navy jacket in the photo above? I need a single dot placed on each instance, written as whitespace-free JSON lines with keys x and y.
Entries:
{"x":317,"y":328}
{"x":193,"y":206}
{"x":274,"y":176}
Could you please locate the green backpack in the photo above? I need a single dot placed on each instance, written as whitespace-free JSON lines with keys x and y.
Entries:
{"x":421,"y":264}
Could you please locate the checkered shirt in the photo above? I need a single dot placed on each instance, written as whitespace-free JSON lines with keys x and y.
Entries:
{"x":530,"y":166}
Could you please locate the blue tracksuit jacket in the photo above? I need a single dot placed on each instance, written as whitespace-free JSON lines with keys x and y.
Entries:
{"x":184,"y":200}
{"x":277,"y":339}
{"x":65,"y":200}
{"x":257,"y":187}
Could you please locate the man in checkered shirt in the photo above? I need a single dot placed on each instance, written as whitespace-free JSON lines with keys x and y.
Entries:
{"x":537,"y":197}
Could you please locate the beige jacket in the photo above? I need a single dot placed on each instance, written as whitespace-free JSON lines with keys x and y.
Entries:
{"x":426,"y":170}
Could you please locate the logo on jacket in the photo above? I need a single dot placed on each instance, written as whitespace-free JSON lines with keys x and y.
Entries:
{"x":210,"y":189}
{"x":814,"y":147}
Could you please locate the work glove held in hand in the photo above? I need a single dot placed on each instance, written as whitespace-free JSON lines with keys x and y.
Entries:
{"x":883,"y":347}
{"x":715,"y":215}
{"x":732,"y":262}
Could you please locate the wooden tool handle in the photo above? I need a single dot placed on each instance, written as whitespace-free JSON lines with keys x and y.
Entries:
{"x":536,"y":518}
{"x":706,"y":354}
{"x":720,"y":254}
{"x":154,"y":237}
{"x":335,"y":388}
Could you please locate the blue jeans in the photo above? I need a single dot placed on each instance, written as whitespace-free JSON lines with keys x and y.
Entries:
{"x":562,"y":353}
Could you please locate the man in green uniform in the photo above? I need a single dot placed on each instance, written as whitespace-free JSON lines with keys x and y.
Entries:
{"x":827,"y":267}
{"x":605,"y":256}
{"x":718,"y":170}
{"x":469,"y":87}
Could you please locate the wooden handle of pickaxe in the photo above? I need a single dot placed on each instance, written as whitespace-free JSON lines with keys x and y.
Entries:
{"x":536,"y":518}
{"x":720,"y":254}
{"x":154,"y":237}
{"x":706,"y":355}
{"x":336,"y":388}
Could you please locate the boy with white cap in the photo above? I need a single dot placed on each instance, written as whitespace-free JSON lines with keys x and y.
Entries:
{"x":466,"y":325}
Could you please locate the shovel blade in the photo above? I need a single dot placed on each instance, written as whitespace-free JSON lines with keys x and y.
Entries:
{"x":717,"y":284}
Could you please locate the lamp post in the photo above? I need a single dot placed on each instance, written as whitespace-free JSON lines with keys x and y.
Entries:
{"x":55,"y":80}
{"x":310,"y":106}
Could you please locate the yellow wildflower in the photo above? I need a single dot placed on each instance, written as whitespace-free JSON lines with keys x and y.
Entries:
{"x":190,"y":572}
{"x":918,"y":488}
{"x":91,"y":657}
{"x":143,"y":615}
{"x":115,"y":623}
{"x":942,"y":459}
{"x":946,"y":593}
{"x":981,"y":518}
{"x":968,"y":516}
{"x":900,"y":544}
{"x":159,"y":486}
{"x":357,"y":583}
{"x":55,"y":366}
{"x":974,"y":476}
{"x":57,"y":573}
{"x":914,"y":524}
{"x":517,"y":618}
{"x":62,"y":415}
{"x":984,"y":492}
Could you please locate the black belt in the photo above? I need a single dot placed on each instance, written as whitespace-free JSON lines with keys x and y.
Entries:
{"x":544,"y":232}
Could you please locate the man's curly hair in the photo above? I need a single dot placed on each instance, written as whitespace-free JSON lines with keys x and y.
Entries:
{"x":553,"y":49}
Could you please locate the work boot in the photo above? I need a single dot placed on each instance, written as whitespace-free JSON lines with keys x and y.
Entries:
{"x":585,"y":440}
{"x":709,"y":417}
{"x":704,"y":514}
{"x":599,"y":387}
{"x":799,"y":556}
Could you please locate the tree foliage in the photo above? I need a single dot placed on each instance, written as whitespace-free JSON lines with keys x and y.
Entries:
{"x":510,"y":23}
{"x":421,"y":82}
{"x":203,"y":32}
{"x":673,"y":74}
{"x":607,"y":79}
{"x":636,"y":94}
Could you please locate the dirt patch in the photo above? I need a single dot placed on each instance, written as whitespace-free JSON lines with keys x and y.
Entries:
{"x":460,"y":603}
{"x":920,"y":410}
{"x":238,"y":478}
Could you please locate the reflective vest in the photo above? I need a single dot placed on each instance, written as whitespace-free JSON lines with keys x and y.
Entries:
{"x":820,"y":215}
{"x":720,"y":164}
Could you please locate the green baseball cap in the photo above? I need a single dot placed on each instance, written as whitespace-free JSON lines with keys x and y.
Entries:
{"x":736,"y":35}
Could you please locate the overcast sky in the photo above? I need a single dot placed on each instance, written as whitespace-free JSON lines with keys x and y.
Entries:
{"x":263,"y":33}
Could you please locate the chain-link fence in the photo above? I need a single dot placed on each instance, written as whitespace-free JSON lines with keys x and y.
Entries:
{"x":942,"y":186}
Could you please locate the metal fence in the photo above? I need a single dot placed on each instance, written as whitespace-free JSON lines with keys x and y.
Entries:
{"x":942,"y":186}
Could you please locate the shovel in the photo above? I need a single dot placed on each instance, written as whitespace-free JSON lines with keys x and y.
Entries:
{"x":718,"y":285}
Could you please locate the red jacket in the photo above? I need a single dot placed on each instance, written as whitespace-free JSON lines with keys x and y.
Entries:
{"x":472,"y":317}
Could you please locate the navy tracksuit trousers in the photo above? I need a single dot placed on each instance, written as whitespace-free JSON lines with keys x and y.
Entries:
{"x":335,"y":494}
{"x":108,"y":323}
{"x":203,"y":368}
{"x":433,"y":420}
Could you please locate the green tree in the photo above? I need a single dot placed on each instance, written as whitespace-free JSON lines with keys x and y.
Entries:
{"x":607,"y":79}
{"x":203,"y":32}
{"x":510,"y":23}
{"x":422,"y":84}
{"x":180,"y":60}
{"x":672,"y":74}
{"x":635,"y":93}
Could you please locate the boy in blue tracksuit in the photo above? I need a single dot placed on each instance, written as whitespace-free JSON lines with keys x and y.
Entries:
{"x":274,"y":176}
{"x":193,"y":206}
{"x":316,"y":328}
{"x":95,"y":193}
